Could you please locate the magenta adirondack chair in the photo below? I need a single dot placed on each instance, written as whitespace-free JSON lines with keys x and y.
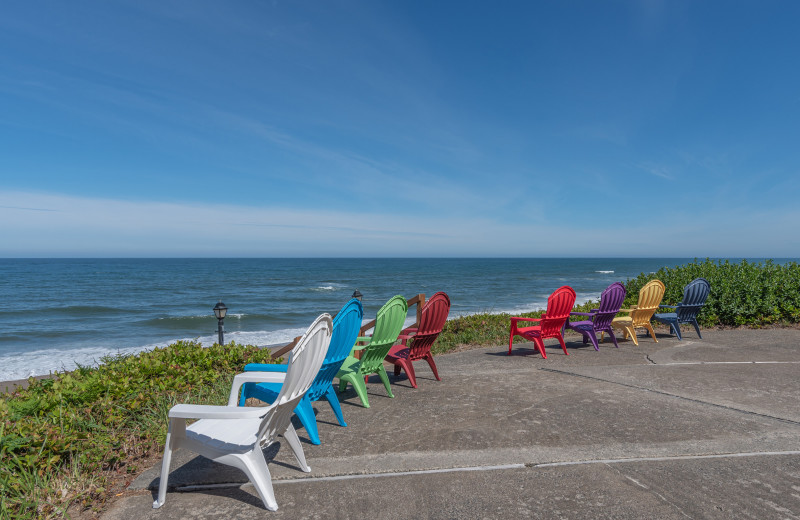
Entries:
{"x":600,"y":319}
{"x":559,"y":305}
{"x":416,"y":342}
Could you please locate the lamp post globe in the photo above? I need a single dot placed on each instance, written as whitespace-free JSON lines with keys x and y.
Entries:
{"x":220,"y":310}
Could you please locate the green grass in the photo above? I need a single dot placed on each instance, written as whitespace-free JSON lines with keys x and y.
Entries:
{"x":64,"y":440}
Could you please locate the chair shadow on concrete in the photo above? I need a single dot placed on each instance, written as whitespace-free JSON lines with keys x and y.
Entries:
{"x":203,"y":466}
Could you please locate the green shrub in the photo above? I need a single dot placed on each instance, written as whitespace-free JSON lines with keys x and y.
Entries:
{"x":744,"y":293}
{"x":62,"y":438}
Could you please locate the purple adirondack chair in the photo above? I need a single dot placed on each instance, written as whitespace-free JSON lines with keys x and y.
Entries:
{"x":600,"y":319}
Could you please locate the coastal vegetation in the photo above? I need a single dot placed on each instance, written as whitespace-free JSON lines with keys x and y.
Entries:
{"x":78,"y":438}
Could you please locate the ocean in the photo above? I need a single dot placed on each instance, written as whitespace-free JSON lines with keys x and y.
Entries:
{"x":61,"y":313}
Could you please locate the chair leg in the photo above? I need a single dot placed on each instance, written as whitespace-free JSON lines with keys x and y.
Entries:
{"x":305,"y":412}
{"x":385,"y":378}
{"x":697,"y":328}
{"x":406,"y":365}
{"x":676,"y":327}
{"x":631,"y":332}
{"x":330,"y":395}
{"x":361,"y":389}
{"x":162,"y":485}
{"x":540,"y":345}
{"x":651,"y":331}
{"x":294,"y":442}
{"x":176,"y":431}
{"x":612,"y":336}
{"x":510,"y":341}
{"x":246,"y":388}
{"x":254,"y":465}
{"x":429,"y":359}
{"x":563,"y":345}
{"x":592,"y":337}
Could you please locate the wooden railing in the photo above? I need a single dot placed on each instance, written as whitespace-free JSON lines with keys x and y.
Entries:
{"x":418,"y":300}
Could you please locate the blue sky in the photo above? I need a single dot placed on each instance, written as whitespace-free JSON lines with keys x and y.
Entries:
{"x":404,"y":128}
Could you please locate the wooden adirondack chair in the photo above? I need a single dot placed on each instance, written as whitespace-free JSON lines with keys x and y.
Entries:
{"x":695,"y":295}
{"x":346,"y":325}
{"x":234,"y":435}
{"x":415,"y":342}
{"x":600,"y":319}
{"x":559,"y":305}
{"x":649,"y":299}
{"x":388,"y":324}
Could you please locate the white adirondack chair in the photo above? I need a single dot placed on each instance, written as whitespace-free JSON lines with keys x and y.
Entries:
{"x":235,"y":435}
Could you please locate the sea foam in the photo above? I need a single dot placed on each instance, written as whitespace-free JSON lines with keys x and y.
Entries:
{"x":42,"y":362}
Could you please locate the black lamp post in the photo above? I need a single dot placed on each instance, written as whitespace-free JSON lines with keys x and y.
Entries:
{"x":219,"y":311}
{"x":357,"y":295}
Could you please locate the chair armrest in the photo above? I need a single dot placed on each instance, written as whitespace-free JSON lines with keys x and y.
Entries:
{"x":517,"y":318}
{"x":668,"y":306}
{"x":265,"y":367}
{"x":628,"y":310}
{"x":207,"y":411}
{"x":252,"y":377}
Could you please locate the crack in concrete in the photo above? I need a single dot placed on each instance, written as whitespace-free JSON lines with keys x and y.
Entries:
{"x":649,"y":490}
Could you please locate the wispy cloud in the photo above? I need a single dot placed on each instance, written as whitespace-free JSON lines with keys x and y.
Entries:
{"x":27,"y":209}
{"x":657,"y":170}
{"x":80,"y":226}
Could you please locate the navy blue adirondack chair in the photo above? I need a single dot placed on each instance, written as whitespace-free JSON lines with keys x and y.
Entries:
{"x":600,"y":319}
{"x":346,"y":326}
{"x":694,"y":296}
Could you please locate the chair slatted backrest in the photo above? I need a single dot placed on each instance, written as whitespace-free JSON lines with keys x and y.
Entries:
{"x":388,"y":324}
{"x":695,"y":295}
{"x":650,"y":297}
{"x":559,"y":305}
{"x":433,"y":317}
{"x":610,"y":303}
{"x":346,"y":325}
{"x":304,"y":363}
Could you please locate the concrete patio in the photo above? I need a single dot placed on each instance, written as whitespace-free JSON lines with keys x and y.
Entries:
{"x":676,"y":429}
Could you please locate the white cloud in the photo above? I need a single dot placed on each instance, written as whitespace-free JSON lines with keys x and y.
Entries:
{"x":39,"y":224}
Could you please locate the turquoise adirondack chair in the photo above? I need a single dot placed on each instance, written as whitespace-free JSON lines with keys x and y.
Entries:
{"x":388,"y":324}
{"x":346,"y":325}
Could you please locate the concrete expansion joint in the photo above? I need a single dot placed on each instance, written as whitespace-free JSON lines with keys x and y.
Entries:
{"x":675,"y":396}
{"x":664,"y":458}
{"x":352,"y":476}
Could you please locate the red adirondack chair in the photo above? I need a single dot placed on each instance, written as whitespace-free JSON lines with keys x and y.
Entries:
{"x":559,"y":305}
{"x":431,"y":322}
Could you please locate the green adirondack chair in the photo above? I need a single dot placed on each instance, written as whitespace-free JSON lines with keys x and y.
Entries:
{"x":388,"y":325}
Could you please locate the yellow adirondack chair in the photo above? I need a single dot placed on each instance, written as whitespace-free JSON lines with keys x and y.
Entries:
{"x":649,"y":299}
